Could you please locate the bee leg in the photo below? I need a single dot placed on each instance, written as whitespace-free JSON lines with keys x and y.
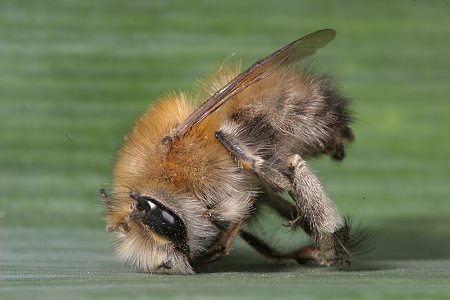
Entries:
{"x":302,"y":255}
{"x":264,"y":249}
{"x":249,"y":161}
{"x":230,"y":237}
{"x":317,"y":215}
{"x":346,"y":240}
{"x":224,"y":244}
{"x":285,"y":209}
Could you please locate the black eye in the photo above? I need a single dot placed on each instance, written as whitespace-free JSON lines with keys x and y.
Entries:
{"x":163,"y":221}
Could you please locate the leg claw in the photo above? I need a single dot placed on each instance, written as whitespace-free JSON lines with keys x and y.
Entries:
{"x":293,"y":223}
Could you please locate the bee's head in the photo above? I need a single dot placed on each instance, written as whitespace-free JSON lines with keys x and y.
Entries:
{"x":154,"y":237}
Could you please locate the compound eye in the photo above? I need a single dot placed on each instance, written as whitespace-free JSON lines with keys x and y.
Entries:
{"x":162,"y":220}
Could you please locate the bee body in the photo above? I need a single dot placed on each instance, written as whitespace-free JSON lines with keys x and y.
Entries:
{"x":187,"y":178}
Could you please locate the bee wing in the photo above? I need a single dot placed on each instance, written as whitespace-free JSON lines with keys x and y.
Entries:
{"x":289,"y":54}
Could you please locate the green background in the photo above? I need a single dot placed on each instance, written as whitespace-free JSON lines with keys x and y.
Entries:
{"x":74,"y":75}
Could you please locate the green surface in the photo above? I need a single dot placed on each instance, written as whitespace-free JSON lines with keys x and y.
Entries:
{"x":74,"y":75}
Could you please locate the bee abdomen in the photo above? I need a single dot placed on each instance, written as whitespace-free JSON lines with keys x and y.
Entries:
{"x":293,"y":112}
{"x":339,"y":115}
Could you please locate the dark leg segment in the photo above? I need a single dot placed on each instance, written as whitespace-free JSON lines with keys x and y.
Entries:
{"x":249,"y":161}
{"x":302,"y":255}
{"x":284,"y":208}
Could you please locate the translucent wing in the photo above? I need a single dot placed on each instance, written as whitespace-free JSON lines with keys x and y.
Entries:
{"x":289,"y":54}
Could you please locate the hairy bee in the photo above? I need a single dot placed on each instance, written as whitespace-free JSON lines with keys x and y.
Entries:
{"x":188,"y":179}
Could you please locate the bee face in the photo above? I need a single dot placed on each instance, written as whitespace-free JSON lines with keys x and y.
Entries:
{"x":149,"y":235}
{"x":151,"y":231}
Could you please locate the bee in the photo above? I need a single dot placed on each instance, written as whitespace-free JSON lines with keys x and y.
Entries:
{"x":188,"y":179}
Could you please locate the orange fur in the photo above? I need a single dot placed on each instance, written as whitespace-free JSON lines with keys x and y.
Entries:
{"x":187,"y":164}
{"x":197,"y":171}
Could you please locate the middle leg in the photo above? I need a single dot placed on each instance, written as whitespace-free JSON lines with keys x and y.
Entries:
{"x":302,"y":255}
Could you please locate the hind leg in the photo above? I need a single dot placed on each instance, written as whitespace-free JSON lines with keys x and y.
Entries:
{"x":316,"y":213}
{"x":288,"y":211}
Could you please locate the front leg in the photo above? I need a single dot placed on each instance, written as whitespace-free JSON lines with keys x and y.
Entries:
{"x":223,"y":245}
